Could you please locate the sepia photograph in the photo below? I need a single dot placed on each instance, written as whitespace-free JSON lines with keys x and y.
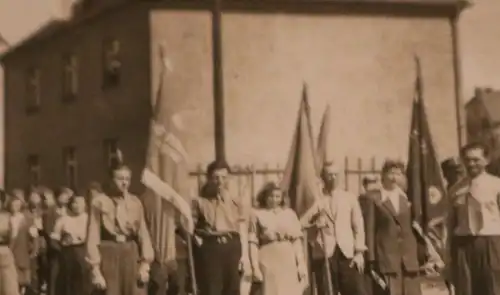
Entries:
{"x":249,"y":147}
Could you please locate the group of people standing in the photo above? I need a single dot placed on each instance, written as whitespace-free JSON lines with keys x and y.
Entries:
{"x":99,"y":241}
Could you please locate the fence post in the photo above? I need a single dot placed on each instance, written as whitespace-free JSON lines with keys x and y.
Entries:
{"x":199,"y":172}
{"x":252,"y":183}
{"x":360,"y":175}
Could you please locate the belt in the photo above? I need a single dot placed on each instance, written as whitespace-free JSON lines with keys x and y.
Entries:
{"x":117,"y":238}
{"x":220,"y":238}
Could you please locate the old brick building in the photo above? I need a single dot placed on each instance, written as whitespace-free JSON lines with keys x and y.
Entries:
{"x":81,"y":86}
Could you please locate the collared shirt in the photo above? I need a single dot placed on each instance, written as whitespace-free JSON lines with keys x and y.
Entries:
{"x":476,"y":206}
{"x":16,"y":221}
{"x":118,"y":217}
{"x":223,"y":213}
{"x":71,"y":229}
{"x":393,"y":196}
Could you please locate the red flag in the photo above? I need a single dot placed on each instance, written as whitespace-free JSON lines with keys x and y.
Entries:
{"x":300,"y":179}
{"x":426,"y":187}
{"x":166,"y":176}
{"x":324,"y":131}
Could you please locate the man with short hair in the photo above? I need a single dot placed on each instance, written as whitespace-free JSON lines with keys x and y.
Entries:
{"x":220,"y":235}
{"x":475,"y":226}
{"x":337,"y":235}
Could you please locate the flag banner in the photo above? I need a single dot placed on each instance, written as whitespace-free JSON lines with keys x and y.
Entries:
{"x":324,"y":131}
{"x":167,"y":199}
{"x":426,"y":188}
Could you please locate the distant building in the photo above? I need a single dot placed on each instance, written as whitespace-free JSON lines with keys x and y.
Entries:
{"x":81,"y":87}
{"x":483,"y":118}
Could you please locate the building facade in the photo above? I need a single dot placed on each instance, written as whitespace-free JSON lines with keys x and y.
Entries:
{"x":83,"y":87}
{"x":483,"y":119}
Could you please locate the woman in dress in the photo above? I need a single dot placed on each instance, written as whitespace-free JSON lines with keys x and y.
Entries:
{"x":70,"y":234}
{"x":24,"y":235}
{"x":276,"y":251}
{"x":8,"y":274}
{"x":35,"y":210}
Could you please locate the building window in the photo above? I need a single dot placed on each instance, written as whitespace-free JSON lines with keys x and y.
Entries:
{"x":33,"y":95}
{"x":111,"y":63}
{"x":70,"y":166}
{"x":70,"y":76}
{"x":34,"y":170}
{"x":111,"y":151}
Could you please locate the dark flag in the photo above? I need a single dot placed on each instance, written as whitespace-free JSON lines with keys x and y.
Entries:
{"x":324,"y":132}
{"x":426,"y":188}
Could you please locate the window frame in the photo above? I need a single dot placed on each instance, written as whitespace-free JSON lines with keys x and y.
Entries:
{"x":70,"y":76}
{"x":34,"y":169}
{"x":111,"y":151}
{"x":70,"y":161}
{"x":33,"y":95}
{"x":111,"y":62}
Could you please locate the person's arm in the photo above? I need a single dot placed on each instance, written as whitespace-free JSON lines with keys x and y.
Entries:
{"x":296,"y":236}
{"x":93,"y":256}
{"x":358,"y":227}
{"x":370,"y":230}
{"x":144,"y":240}
{"x":244,"y":218}
{"x":56,"y":235}
{"x":253,"y":240}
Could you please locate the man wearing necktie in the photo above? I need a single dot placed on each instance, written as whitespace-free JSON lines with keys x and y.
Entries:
{"x":393,"y":247}
{"x":337,"y":232}
{"x":475,"y":226}
{"x":221,"y":229}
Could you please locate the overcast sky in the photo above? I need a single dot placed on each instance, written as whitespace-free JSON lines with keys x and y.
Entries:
{"x":479,"y":35}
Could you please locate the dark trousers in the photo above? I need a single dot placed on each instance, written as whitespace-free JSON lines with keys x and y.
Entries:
{"x":158,"y":280}
{"x":477,"y":269}
{"x":216,"y":265}
{"x":345,"y":279}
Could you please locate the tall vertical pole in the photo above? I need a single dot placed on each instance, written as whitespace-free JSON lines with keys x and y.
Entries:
{"x":218,"y":82}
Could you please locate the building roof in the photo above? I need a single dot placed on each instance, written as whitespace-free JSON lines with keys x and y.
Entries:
{"x":54,"y":27}
{"x":3,"y":41}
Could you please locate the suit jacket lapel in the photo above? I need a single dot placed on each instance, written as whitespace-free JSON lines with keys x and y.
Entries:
{"x":386,"y":206}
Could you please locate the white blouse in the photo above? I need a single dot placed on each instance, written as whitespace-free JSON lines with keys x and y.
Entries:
{"x":71,"y":229}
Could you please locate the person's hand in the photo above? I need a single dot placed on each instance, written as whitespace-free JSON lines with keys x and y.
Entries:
{"x":321,"y":222}
{"x":98,"y":280}
{"x":33,"y":232}
{"x":144,"y":273}
{"x":257,"y":275}
{"x":302,"y":271}
{"x":244,"y":266}
{"x":358,"y":261}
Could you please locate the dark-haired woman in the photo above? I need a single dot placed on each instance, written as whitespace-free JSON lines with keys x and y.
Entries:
{"x":276,"y":251}
{"x":70,"y":234}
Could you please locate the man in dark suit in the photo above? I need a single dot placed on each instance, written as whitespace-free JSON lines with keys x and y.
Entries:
{"x":393,"y":246}
{"x":370,"y":183}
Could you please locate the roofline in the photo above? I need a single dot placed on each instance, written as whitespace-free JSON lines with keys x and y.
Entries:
{"x":449,"y":8}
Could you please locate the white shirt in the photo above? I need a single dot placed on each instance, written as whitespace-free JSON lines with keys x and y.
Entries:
{"x":74,"y":227}
{"x":476,"y":206}
{"x":393,"y":196}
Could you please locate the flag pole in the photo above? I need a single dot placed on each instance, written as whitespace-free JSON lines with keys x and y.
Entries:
{"x":327,"y":265}
{"x":218,"y":82}
{"x":194,"y":285}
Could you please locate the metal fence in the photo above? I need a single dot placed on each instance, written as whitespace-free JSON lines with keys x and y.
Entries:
{"x":247,"y":180}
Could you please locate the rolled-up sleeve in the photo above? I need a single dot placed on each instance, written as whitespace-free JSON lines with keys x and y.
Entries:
{"x":93,"y":255}
{"x":358,"y":226}
{"x":147,"y":251}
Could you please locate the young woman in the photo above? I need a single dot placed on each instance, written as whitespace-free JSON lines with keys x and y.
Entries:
{"x":35,"y":210}
{"x":276,"y":251}
{"x":23,"y":243}
{"x":70,"y":234}
{"x":9,"y":284}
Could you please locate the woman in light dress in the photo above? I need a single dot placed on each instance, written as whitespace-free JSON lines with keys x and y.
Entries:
{"x":8,"y":274}
{"x":69,"y":235}
{"x":276,"y":251}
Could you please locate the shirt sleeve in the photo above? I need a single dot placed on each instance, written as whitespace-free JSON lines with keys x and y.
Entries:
{"x":93,"y":256}
{"x":243,"y":211}
{"x":295,"y":228}
{"x":146,"y":246}
{"x":358,"y":227}
{"x":57,"y":231}
{"x":253,"y":235}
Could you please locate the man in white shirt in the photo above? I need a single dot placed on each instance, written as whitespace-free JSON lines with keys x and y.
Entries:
{"x":475,"y":226}
{"x":337,"y":234}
